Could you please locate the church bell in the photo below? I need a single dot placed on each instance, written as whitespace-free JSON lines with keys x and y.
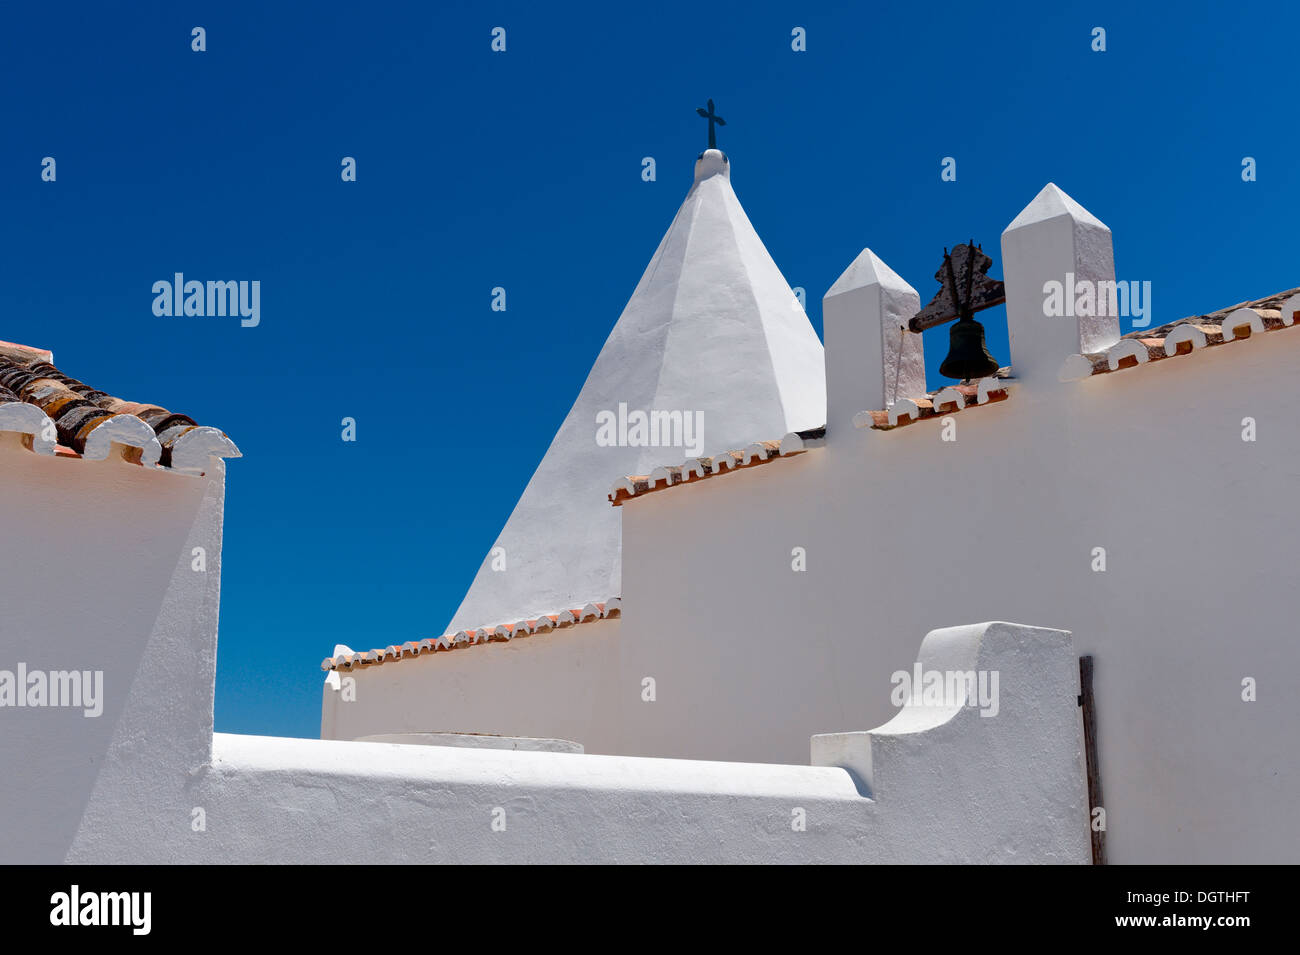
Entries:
{"x":968,"y":356}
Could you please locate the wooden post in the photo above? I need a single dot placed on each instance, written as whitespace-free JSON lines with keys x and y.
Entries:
{"x":1088,"y":702}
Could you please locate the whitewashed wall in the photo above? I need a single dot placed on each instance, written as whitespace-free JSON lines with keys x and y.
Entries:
{"x":559,"y":684}
{"x":936,"y":785}
{"x":944,"y":785}
{"x":904,"y":531}
{"x":97,"y":575}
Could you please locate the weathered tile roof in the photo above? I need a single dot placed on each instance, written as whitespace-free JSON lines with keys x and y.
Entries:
{"x":1187,"y":335}
{"x":940,"y":403}
{"x":698,"y":469}
{"x":86,"y":422}
{"x":468,"y":638}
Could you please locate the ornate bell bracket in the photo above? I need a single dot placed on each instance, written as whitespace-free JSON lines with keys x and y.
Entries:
{"x":965,"y":288}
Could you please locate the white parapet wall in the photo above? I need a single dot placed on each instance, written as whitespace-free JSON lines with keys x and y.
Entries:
{"x":948,"y":785}
{"x":112,"y":572}
{"x":559,"y":683}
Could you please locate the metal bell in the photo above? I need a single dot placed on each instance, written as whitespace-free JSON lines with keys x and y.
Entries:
{"x":968,"y":356}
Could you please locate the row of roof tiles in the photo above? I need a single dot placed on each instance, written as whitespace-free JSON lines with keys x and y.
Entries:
{"x":902,"y":412}
{"x":467,"y":638}
{"x":60,"y":414}
{"x":942,"y":402}
{"x":698,"y":469}
{"x":1188,"y":335}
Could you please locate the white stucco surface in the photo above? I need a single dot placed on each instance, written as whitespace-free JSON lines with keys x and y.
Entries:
{"x":98,"y":577}
{"x":946,"y":787}
{"x":565,"y":680}
{"x":526,"y":744}
{"x":1053,"y":236}
{"x":864,"y":318}
{"x":712,"y":330}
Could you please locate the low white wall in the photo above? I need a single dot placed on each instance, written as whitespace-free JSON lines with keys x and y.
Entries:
{"x":559,"y":684}
{"x":947,"y":786}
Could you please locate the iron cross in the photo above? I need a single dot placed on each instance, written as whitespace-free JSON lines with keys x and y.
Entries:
{"x":712,"y":117}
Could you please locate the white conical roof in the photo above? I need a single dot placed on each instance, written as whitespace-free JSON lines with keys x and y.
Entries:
{"x":712,"y":329}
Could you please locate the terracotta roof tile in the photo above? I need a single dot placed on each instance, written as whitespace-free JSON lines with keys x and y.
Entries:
{"x":467,"y":638}
{"x":939,"y":404}
{"x":1187,"y":335}
{"x":698,"y":469}
{"x":88,"y":422}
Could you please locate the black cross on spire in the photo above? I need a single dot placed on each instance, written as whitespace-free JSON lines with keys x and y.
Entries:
{"x":712,"y":117}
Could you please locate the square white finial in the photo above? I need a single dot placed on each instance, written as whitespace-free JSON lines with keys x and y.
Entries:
{"x":1056,"y":240}
{"x":872,"y":360}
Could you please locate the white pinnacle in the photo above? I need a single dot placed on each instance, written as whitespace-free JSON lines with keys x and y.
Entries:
{"x":712,"y":330}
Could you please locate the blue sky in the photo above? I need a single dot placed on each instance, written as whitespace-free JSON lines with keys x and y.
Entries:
{"x":523,"y":170}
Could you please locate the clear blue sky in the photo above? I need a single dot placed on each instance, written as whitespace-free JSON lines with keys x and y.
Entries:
{"x":523,"y":170}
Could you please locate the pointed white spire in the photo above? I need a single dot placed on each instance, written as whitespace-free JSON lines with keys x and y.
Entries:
{"x":715,"y":340}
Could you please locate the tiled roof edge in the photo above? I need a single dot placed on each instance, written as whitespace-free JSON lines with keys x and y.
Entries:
{"x":698,"y":469}
{"x":1136,"y":348}
{"x":57,"y":414}
{"x":1187,"y":335}
{"x":467,"y":638}
{"x":938,"y":404}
